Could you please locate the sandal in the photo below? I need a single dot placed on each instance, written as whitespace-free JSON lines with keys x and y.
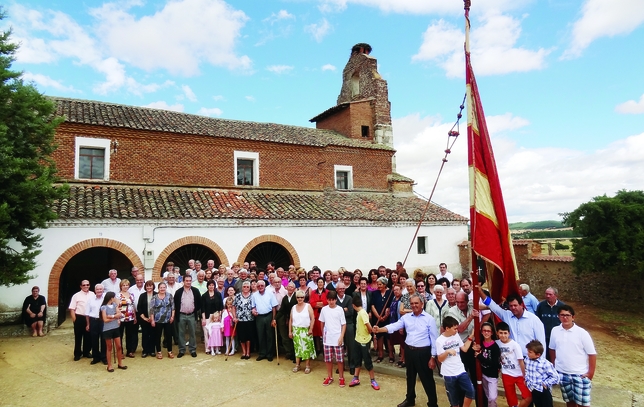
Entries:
{"x":401,"y":365}
{"x":392,"y":360}
{"x":170,"y":355}
{"x":160,"y":355}
{"x":379,"y":360}
{"x":307,"y":370}
{"x":296,"y":369}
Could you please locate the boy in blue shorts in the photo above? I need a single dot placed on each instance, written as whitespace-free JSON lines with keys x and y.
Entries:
{"x":448,"y":347}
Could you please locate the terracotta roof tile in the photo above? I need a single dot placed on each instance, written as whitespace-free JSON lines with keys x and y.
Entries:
{"x":143,"y":118}
{"x":138,"y":202}
{"x":543,"y":257}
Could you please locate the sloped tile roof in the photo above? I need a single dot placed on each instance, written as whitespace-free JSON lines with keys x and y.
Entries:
{"x":563,"y":259}
{"x":134,"y":202}
{"x":143,"y":118}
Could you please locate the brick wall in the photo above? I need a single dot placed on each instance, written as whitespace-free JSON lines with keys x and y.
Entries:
{"x":158,"y":158}
{"x":624,"y":292}
{"x":349,"y":121}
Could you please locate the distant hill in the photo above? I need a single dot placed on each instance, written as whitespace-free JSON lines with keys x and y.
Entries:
{"x":544,"y":224}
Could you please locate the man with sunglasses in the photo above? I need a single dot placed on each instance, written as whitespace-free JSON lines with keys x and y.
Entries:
{"x":78,"y":308}
{"x":575,"y":358}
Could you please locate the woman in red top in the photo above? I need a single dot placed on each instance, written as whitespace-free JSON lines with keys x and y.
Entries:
{"x":317,"y":299}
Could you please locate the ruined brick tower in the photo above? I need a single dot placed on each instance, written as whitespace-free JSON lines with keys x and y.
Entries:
{"x":363,"y":110}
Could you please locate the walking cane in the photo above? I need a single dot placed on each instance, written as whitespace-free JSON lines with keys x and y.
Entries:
{"x":230,"y":345}
{"x":277,"y":348}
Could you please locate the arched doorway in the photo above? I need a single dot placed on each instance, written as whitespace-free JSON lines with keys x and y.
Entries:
{"x":193,"y":251}
{"x":90,"y":264}
{"x":270,"y":251}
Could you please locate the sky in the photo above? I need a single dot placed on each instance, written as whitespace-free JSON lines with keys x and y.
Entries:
{"x":560,"y":80}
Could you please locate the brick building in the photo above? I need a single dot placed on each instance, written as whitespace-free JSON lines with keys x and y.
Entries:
{"x":148,"y":186}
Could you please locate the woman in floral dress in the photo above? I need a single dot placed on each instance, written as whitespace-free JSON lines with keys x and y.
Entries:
{"x":300,"y":329}
{"x":128,"y":319}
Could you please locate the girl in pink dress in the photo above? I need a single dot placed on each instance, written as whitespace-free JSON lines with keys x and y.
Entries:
{"x":215,"y":327}
{"x":227,"y":316}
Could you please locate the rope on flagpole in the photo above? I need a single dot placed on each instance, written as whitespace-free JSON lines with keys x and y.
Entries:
{"x":452,"y":135}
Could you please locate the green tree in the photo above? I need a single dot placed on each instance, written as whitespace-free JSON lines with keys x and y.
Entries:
{"x":27,"y":173}
{"x":613,"y":234}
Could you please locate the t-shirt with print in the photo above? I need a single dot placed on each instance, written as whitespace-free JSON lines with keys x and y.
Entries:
{"x":452,"y":366}
{"x":362,"y":333}
{"x":333,"y":319}
{"x":510,"y":355}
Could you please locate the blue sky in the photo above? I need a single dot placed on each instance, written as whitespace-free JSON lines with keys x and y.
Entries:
{"x":560,"y":81}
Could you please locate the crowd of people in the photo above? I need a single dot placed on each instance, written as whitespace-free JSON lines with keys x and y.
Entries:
{"x":344,"y":316}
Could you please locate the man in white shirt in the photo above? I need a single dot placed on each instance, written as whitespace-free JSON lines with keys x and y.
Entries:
{"x":137,"y":288}
{"x":172,"y":285}
{"x":112,"y":283}
{"x":444,"y":273}
{"x":78,"y":312}
{"x":573,"y":351}
{"x":95,"y":326}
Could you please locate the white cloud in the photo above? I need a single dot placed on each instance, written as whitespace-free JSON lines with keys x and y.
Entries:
{"x":189,"y":93}
{"x":215,"y":111}
{"x":250,"y":98}
{"x":279,"y":69}
{"x":538,"y":183}
{"x":218,"y":97}
{"x":328,"y":67}
{"x":631,"y":107}
{"x":492,"y":45}
{"x":319,"y":30}
{"x":178,"y":107}
{"x":279,"y":16}
{"x":176,"y":38}
{"x":70,"y":40}
{"x":604,"y":18}
{"x":47,"y":82}
{"x":417,"y":6}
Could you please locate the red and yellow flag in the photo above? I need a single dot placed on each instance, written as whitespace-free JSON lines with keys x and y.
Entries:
{"x":490,"y":233}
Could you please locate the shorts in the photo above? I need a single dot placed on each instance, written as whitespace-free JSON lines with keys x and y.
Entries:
{"x":112,"y":334}
{"x":329,"y":351}
{"x":575,"y":388}
{"x":455,"y":383}
{"x":361,"y":351}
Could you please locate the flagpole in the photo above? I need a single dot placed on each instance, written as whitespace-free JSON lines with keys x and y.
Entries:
{"x":474,"y":274}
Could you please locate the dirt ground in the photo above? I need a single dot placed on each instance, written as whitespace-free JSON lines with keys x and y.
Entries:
{"x":41,"y":371}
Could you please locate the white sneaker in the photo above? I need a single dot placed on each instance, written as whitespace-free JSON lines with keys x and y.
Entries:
{"x":231,"y":353}
{"x":218,"y":352}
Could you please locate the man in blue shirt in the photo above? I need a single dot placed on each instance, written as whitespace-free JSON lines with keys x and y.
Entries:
{"x":530,"y":301}
{"x":264,"y":309}
{"x":420,"y":354}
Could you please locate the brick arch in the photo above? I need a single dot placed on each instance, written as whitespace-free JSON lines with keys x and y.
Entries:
{"x":59,"y":265}
{"x":159,"y":263}
{"x":270,"y":238}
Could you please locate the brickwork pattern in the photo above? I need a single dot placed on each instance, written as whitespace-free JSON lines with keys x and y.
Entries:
{"x":59,"y":265}
{"x":157,"y":158}
{"x":274,"y":239}
{"x":159,"y":264}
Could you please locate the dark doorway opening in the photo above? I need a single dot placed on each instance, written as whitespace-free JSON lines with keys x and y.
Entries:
{"x":199,"y":252}
{"x":270,"y":251}
{"x":92,"y":264}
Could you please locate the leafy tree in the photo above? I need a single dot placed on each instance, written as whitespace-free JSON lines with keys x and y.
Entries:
{"x":613,"y":234}
{"x":27,"y":172}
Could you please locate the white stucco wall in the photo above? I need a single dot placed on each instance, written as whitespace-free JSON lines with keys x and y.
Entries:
{"x":326,"y":246}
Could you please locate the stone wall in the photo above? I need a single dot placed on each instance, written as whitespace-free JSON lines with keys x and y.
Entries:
{"x":541,"y":271}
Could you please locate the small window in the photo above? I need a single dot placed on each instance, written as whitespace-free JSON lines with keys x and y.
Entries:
{"x":355,"y":84}
{"x":343,"y":177}
{"x":244,"y":172}
{"x":91,"y":163}
{"x":342,"y":180}
{"x":422,"y":244}
{"x":365,"y":131}
{"x":246,"y":168}
{"x":92,"y":159}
